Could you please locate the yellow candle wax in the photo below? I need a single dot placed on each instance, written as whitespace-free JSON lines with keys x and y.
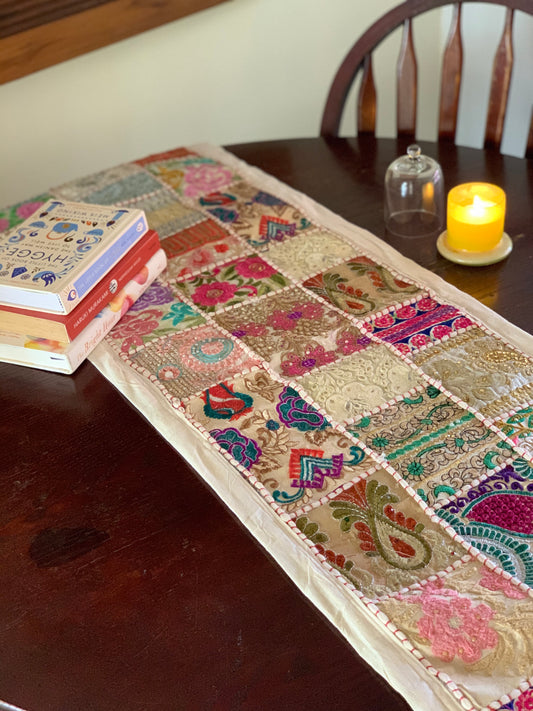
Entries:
{"x":476,"y":215}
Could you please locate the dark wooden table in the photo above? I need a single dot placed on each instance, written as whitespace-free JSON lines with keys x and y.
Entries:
{"x":126,"y":584}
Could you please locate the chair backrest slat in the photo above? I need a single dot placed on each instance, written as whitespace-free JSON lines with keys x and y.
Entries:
{"x":529,"y":146}
{"x":501,"y":79}
{"x":366,"y":105}
{"x":359,"y":59}
{"x":406,"y":72}
{"x":452,"y":68}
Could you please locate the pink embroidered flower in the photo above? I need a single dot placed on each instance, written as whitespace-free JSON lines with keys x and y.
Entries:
{"x":252,"y":329}
{"x":254,"y":268}
{"x":347,"y":342}
{"x":525,"y":701}
{"x":384,"y":321}
{"x":493,"y":581}
{"x":135,"y":325}
{"x":441,"y":331}
{"x":419,"y":340}
{"x":426,"y":304}
{"x":204,"y":178}
{"x":28,"y":208}
{"x":168,"y":372}
{"x":462,"y":322}
{"x":454,"y":625}
{"x":403,"y":348}
{"x":406,"y":312}
{"x":216,"y":293}
{"x":294,"y":364}
{"x":288,"y":320}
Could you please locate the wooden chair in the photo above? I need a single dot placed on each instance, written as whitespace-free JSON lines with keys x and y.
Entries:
{"x":359,"y":59}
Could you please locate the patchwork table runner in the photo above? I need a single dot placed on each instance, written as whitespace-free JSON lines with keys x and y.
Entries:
{"x":369,"y":424}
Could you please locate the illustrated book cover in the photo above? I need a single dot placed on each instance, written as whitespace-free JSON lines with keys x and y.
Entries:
{"x":58,"y":254}
{"x":65,"y":327}
{"x":46,"y":354}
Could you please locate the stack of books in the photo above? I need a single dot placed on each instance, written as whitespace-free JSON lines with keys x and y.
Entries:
{"x":68,"y":273}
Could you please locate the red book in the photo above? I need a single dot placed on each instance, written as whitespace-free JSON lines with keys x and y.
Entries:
{"x":65,"y":327}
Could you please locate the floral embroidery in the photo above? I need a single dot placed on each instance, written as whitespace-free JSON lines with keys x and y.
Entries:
{"x":454,"y":625}
{"x":244,"y":450}
{"x":232,"y":282}
{"x":294,"y":411}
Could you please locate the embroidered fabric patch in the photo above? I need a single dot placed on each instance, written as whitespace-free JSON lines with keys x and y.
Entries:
{"x":360,"y":382}
{"x":231,"y":283}
{"x":166,"y":214}
{"x":278,"y":437}
{"x":419,"y":324}
{"x":377,"y":537}
{"x":437,"y":446}
{"x":189,"y":361}
{"x":190,"y":175}
{"x":361,"y":287}
{"x":472,"y":625}
{"x":309,"y":253}
{"x":481,"y":370}
{"x":258,"y":217}
{"x":496,"y":516}
{"x":115,"y":185}
{"x":293,"y":331}
{"x":158,"y":312}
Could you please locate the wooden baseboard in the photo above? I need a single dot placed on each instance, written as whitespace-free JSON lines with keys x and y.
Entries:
{"x":43,"y":46}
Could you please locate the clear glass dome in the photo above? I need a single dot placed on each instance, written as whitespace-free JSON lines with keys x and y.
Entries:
{"x":414,"y":195}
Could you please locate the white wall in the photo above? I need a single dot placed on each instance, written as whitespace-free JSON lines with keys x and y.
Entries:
{"x":242,"y":71}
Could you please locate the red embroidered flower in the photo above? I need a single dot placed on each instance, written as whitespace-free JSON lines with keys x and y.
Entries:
{"x":254,"y":268}
{"x":215,"y":293}
{"x":406,"y":312}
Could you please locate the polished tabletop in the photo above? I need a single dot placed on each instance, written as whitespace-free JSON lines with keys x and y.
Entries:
{"x":126,"y":583}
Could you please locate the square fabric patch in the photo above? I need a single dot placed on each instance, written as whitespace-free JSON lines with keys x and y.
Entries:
{"x":519,"y":428}
{"x":437,"y":446}
{"x":231,"y":283}
{"x":473,"y":625}
{"x":360,"y":382}
{"x":496,"y":516}
{"x":309,"y":253}
{"x":378,"y":537}
{"x":190,"y":175}
{"x":278,"y":437}
{"x":480,"y":369}
{"x":193,"y":238}
{"x":116,"y":185}
{"x":166,"y":214}
{"x":258,"y":217}
{"x":158,"y":312}
{"x":361,"y":287}
{"x":189,"y":361}
{"x":419,"y":324}
{"x":293,"y":331}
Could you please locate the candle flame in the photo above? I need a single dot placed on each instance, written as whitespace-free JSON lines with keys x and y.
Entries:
{"x":479,"y":206}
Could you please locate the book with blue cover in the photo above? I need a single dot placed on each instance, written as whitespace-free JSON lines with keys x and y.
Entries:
{"x":57,"y":255}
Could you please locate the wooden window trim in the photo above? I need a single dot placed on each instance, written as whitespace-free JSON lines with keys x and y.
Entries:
{"x":43,"y":46}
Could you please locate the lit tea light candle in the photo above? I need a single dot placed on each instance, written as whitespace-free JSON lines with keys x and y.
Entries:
{"x":476,"y":215}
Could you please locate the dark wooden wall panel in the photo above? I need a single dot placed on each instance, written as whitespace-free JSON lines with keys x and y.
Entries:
{"x":35,"y":34}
